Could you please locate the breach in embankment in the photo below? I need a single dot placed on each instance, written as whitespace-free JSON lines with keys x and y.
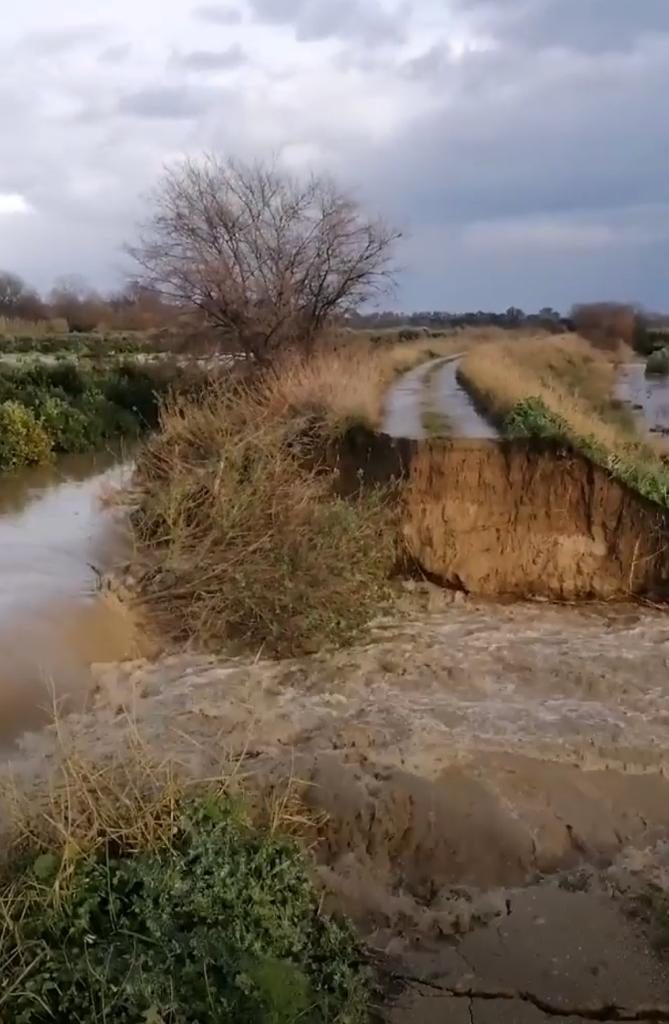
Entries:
{"x":463,"y":770}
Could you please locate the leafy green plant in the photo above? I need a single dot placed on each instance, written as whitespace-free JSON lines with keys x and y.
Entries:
{"x":218,"y":921}
{"x":533,"y":418}
{"x":80,"y":408}
{"x":67,"y":426}
{"x":23,"y":440}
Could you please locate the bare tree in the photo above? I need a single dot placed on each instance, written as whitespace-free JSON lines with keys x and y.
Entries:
{"x":267,"y":259}
{"x":73,"y":299}
{"x":17,"y":299}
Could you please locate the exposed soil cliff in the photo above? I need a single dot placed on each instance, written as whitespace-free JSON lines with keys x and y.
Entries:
{"x":520,"y":518}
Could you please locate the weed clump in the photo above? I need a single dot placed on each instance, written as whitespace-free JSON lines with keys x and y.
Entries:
{"x":166,"y":908}
{"x":532,"y":418}
{"x":249,"y":540}
{"x":657,"y":363}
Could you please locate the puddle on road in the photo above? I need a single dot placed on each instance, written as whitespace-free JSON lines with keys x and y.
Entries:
{"x":453,"y":401}
{"x":432,"y":395}
{"x":404,"y":404}
{"x":56,"y":536}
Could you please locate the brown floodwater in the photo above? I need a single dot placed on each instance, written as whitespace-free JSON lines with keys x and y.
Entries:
{"x":57,"y":535}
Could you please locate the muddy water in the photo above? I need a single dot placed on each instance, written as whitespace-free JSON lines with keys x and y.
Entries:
{"x":56,"y":537}
{"x":430,"y":401}
{"x":648,"y":395}
{"x":403,"y":416}
{"x":452,"y":400}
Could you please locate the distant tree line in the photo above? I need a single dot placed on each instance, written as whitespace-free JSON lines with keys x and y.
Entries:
{"x":438,"y":320}
{"x":83,"y":308}
{"x":605,"y":324}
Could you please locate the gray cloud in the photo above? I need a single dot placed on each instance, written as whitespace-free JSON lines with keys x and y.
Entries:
{"x":61,"y":40}
{"x":165,"y":103}
{"x":218,"y":14}
{"x":533,"y":172}
{"x":365,"y":20}
{"x":115,"y":54}
{"x":590,"y":25}
{"x":542,"y":178}
{"x":210,"y":60}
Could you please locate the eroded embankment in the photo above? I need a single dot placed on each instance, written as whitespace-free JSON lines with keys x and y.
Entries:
{"x":519,"y":518}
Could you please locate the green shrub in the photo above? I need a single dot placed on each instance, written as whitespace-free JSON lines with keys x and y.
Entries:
{"x":533,"y":418}
{"x":68,"y":427}
{"x":23,"y":440}
{"x":137,"y":389}
{"x":216,"y":921}
{"x":81,"y":408}
{"x":658,"y":363}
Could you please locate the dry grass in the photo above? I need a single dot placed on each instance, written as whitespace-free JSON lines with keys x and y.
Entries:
{"x":132,"y":800}
{"x":13,"y":327}
{"x":575,"y":381}
{"x":340,"y":387}
{"x":345,"y":383}
{"x":248,"y":539}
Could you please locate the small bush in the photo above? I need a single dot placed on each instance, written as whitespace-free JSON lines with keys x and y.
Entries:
{"x":23,"y":441}
{"x":533,"y":418}
{"x":137,"y":390}
{"x":215,"y":920}
{"x":658,"y":363}
{"x":67,"y":427}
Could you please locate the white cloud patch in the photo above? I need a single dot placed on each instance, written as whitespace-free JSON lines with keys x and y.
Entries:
{"x":12,"y":203}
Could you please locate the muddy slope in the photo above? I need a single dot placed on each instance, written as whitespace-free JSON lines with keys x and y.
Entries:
{"x":519,"y":518}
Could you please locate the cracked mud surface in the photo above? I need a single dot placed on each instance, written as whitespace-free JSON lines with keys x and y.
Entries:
{"x":473,"y":761}
{"x":556,"y":955}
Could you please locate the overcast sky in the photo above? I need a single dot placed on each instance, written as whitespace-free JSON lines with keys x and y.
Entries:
{"x":521,"y":145}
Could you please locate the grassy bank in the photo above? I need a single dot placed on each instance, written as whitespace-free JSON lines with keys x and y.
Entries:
{"x":50,"y":409}
{"x":565,"y":389}
{"x":243,"y":533}
{"x":129,"y":898}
